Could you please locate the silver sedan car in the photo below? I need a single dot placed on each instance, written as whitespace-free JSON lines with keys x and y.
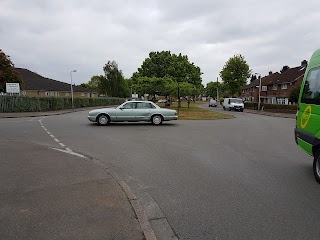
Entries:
{"x":133,"y":111}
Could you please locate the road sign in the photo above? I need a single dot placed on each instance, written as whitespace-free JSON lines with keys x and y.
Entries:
{"x":12,"y":88}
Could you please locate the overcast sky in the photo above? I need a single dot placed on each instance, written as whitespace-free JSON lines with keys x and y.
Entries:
{"x":53,"y":37}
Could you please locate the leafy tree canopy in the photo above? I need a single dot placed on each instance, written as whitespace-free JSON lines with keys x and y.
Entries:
{"x":235,"y":73}
{"x":166,"y":65}
{"x":8,"y":74}
{"x":253,"y":77}
{"x":294,"y":95}
{"x":111,"y":84}
{"x":211,"y":89}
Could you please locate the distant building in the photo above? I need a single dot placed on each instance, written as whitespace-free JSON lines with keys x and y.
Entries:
{"x":37,"y":85}
{"x":276,"y":87}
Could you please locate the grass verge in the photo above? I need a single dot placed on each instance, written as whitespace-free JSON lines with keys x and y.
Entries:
{"x":196,"y":113}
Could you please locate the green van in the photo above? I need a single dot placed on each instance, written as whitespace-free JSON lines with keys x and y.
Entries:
{"x":307,"y":131}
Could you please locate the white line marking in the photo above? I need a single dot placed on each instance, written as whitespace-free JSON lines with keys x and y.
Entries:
{"x":69,"y":152}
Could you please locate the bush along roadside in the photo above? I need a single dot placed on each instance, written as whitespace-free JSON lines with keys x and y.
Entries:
{"x":272,"y":107}
{"x":41,"y":104}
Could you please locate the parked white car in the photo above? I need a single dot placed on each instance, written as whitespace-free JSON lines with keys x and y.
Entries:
{"x":233,"y":104}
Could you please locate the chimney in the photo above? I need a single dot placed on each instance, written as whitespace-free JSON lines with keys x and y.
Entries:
{"x":270,"y":72}
{"x":304,"y":63}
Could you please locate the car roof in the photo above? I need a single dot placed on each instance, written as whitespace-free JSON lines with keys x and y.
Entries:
{"x":136,"y":101}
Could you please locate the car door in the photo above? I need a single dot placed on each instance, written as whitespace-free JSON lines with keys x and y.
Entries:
{"x":143,"y":111}
{"x":126,"y":112}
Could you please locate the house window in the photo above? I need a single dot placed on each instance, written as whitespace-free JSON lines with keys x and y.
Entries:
{"x":52,"y":94}
{"x":264,"y":88}
{"x":47,"y":94}
{"x":57,"y":94}
{"x":275,"y":87}
{"x":24,"y":93}
{"x":66,"y":94}
{"x":82,"y":94}
{"x":284,"y":86}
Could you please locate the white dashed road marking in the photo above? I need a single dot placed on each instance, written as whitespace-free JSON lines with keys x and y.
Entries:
{"x":67,"y":150}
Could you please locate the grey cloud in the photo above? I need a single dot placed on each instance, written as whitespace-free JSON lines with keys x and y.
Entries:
{"x":54,"y":37}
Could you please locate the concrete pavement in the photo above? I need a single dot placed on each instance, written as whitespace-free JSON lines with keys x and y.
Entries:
{"x":283,"y":115}
{"x":48,"y":194}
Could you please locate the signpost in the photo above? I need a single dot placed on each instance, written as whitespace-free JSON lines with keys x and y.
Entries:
{"x":12,"y":88}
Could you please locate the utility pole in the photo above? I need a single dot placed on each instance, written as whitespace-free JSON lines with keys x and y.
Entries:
{"x":217,"y":91}
{"x":259,"y":93}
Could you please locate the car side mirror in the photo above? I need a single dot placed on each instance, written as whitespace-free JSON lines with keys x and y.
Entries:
{"x":121,"y":108}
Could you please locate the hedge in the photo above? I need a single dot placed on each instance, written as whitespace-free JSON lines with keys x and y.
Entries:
{"x":40,"y":104}
{"x":272,"y":107}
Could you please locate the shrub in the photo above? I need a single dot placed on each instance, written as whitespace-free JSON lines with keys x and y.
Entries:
{"x":40,"y":104}
{"x":272,"y":107}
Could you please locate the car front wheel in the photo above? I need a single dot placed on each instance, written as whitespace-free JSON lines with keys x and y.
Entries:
{"x":103,"y":119}
{"x":316,"y":166}
{"x":156,"y":120}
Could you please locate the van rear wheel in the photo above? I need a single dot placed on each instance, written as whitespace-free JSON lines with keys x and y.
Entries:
{"x":316,"y":166}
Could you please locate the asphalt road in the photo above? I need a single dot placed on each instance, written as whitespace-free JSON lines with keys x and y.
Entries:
{"x":240,"y":178}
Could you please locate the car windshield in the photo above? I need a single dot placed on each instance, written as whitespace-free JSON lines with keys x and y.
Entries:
{"x":235,"y":101}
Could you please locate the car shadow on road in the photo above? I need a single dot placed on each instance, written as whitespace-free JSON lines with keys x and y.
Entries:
{"x":135,"y":124}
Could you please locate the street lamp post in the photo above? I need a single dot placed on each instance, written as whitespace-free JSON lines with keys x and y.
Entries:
{"x":72,"y":88}
{"x":178,"y":97}
{"x":217,"y":92}
{"x":259,"y":100}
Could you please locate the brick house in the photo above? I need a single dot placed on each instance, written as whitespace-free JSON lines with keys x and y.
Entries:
{"x":275,"y":87}
{"x":37,"y":85}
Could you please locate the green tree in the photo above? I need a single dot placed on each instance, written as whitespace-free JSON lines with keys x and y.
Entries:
{"x":253,"y":78}
{"x":94,"y":82}
{"x":164,"y":64}
{"x":235,"y":73}
{"x":211,"y":89}
{"x":8,"y":74}
{"x":150,"y":85}
{"x":294,"y":95}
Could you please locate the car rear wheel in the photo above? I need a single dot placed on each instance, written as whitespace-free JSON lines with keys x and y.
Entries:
{"x":229,"y":109}
{"x":103,"y":119}
{"x":224,"y":108}
{"x":316,"y":166}
{"x":156,"y":120}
